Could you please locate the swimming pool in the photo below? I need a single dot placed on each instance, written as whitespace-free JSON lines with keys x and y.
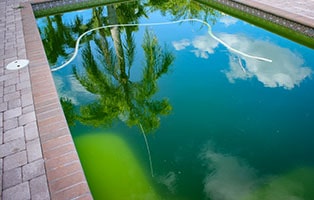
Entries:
{"x":226,"y":107}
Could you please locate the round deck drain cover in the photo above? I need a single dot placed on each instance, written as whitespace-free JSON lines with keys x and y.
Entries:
{"x":17,"y":64}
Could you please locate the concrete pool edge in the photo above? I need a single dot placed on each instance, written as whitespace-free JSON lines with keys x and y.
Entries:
{"x":66,"y":179}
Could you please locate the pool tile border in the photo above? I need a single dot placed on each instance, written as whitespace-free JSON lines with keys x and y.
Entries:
{"x":277,"y":16}
{"x":282,"y":18}
{"x":66,"y":179}
{"x":44,"y":8}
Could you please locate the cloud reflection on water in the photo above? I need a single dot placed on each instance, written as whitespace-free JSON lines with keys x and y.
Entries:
{"x":70,"y":87}
{"x":228,"y":20}
{"x":204,"y":46}
{"x":230,"y":178}
{"x":286,"y":70}
{"x":182,"y":44}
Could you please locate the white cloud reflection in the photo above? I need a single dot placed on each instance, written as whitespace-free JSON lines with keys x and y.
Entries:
{"x":71,"y":88}
{"x":228,"y":20}
{"x":203,"y":45}
{"x":286,"y":70}
{"x":230,"y":178}
{"x":182,"y":44}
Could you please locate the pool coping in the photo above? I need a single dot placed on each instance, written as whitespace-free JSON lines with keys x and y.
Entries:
{"x":65,"y":175}
{"x":275,"y":11}
{"x":292,"y":26}
{"x":66,"y":179}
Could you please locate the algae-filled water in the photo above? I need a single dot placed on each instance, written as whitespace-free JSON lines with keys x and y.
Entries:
{"x":226,"y":107}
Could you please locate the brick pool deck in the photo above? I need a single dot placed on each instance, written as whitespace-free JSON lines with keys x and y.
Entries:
{"x":38,"y":159}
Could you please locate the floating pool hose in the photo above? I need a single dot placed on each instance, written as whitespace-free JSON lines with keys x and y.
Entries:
{"x":156,"y":24}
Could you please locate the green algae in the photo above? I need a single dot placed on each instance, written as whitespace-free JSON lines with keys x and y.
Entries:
{"x":111,"y":169}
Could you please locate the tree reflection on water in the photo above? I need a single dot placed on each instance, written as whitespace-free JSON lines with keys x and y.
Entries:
{"x":107,"y":74}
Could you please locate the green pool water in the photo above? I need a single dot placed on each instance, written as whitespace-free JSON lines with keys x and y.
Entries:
{"x":226,"y":107}
{"x":120,"y":175}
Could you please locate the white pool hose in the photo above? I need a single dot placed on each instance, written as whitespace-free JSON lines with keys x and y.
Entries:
{"x":157,"y":24}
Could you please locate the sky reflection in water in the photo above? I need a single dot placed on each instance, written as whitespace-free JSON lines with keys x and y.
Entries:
{"x":287,"y":69}
{"x":240,"y":128}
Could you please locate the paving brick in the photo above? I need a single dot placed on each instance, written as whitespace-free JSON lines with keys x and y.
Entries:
{"x":9,"y":74}
{"x":25,"y":90}
{"x":1,"y":93}
{"x":27,"y":118}
{"x":9,"y":114}
{"x":14,"y":103}
{"x":3,"y":106}
{"x":10,"y":124}
{"x":39,"y":188}
{"x":1,"y":122}
{"x":12,"y":81}
{"x":9,"y":89}
{"x":12,"y":177}
{"x":14,"y":134}
{"x":33,"y":150}
{"x":27,"y":99}
{"x":1,"y":135}
{"x":12,"y":96}
{"x":33,"y":170}
{"x":31,"y":131}
{"x":12,"y":147}
{"x":23,"y":85}
{"x":1,"y":186}
{"x":15,"y":160}
{"x":24,"y":74}
{"x":28,"y":109}
{"x":18,"y":192}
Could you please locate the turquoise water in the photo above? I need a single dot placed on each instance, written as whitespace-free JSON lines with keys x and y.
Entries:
{"x":219,"y":125}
